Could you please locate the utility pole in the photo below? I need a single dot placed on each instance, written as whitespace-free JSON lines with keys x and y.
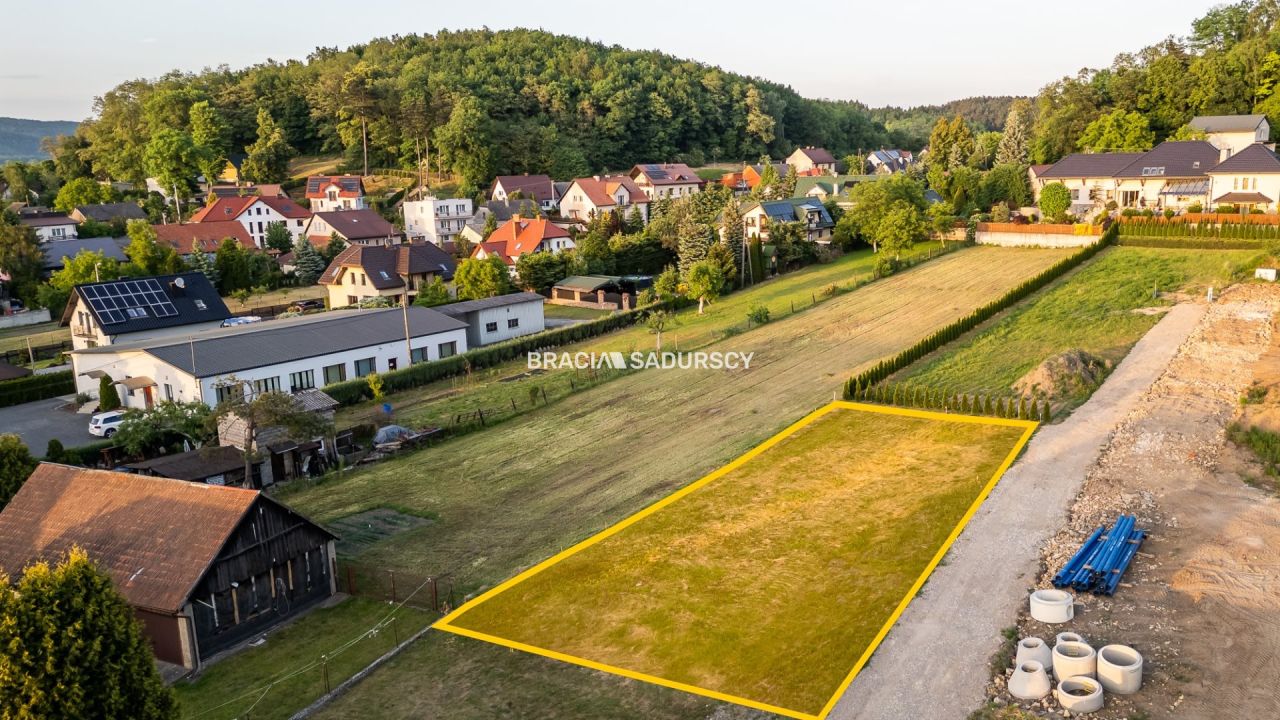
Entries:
{"x":364,"y":138}
{"x":404,"y":308}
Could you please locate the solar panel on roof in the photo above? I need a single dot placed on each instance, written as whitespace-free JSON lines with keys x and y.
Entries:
{"x":129,"y":299}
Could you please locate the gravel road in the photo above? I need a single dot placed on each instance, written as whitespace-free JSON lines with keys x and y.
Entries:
{"x":933,"y":664}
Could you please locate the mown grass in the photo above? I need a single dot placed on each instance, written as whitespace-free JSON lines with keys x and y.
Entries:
{"x":237,"y":686}
{"x":49,"y":333}
{"x":1091,"y":309}
{"x":571,"y":312}
{"x":816,"y":541}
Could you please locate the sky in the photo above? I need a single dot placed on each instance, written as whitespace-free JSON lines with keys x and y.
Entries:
{"x":898,"y":52}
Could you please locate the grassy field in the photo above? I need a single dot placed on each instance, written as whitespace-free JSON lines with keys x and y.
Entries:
{"x":276,"y":297}
{"x":49,"y":333}
{"x":817,"y":540}
{"x":509,"y":497}
{"x":238,"y":685}
{"x":305,"y":165}
{"x":494,"y":389}
{"x":570,"y":312}
{"x":1092,"y":309}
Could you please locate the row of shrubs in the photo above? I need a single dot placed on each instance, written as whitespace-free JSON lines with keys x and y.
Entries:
{"x":353,"y":391}
{"x":883,"y":369}
{"x":1187,"y":243}
{"x":1234,"y":231}
{"x":36,"y":387}
{"x":930,"y":398}
{"x":84,"y":455}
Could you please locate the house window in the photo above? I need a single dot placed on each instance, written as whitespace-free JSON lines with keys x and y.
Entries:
{"x":366,"y":366}
{"x":335,"y":373}
{"x":168,"y":392}
{"x":304,"y":380}
{"x":418,"y":355}
{"x":448,"y":349}
{"x":262,"y":386}
{"x":513,"y":323}
{"x":232,"y":391}
{"x":491,"y":327}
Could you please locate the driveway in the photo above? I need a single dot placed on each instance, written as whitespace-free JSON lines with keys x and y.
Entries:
{"x":39,"y":422}
{"x":933,"y":664}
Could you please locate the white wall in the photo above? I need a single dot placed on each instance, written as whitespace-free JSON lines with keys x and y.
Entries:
{"x":1268,"y":184}
{"x":50,"y":233}
{"x":436,"y":220}
{"x":529,"y":317}
{"x":259,"y":215}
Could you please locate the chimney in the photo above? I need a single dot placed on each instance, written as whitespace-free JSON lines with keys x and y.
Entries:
{"x":515,"y":217}
{"x":1223,"y":153}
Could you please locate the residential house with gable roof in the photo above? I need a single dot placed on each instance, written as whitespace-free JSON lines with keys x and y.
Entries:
{"x":810,"y":159}
{"x":666,"y":180}
{"x":354,"y":227}
{"x":887,"y":162}
{"x":1232,"y":134}
{"x":117,"y":311}
{"x":521,"y":236}
{"x":540,"y":188}
{"x":205,"y":237}
{"x":108,"y":212}
{"x":1174,"y":174}
{"x":332,"y":193}
{"x":364,"y":271}
{"x":256,"y":213}
{"x":758,"y":216}
{"x":588,"y":197}
{"x":1250,"y":178}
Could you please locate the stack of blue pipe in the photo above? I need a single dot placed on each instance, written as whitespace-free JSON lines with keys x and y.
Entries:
{"x":1102,"y":560}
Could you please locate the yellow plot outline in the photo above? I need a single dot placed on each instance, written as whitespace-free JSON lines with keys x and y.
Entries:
{"x":446,"y":623}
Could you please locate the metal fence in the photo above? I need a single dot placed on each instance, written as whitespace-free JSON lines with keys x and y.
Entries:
{"x":25,"y":355}
{"x":425,"y":592}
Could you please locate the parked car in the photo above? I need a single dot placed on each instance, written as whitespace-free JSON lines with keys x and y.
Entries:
{"x":105,"y":424}
{"x":313,"y":304}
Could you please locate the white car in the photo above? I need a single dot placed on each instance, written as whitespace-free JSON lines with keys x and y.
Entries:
{"x":105,"y":424}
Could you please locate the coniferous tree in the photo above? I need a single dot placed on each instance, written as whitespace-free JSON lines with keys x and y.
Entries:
{"x":307,"y":263}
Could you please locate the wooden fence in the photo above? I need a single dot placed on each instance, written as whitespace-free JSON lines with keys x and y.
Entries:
{"x":1040,"y":228}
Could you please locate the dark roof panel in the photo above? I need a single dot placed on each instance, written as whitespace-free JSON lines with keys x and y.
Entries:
{"x":1175,"y":159}
{"x":132,"y":305}
{"x":1257,"y":158}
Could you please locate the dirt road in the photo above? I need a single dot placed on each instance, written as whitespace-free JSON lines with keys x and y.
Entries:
{"x":1202,"y":600}
{"x":933,"y":664}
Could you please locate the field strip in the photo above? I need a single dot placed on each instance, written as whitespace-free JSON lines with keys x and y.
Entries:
{"x":1008,"y":436}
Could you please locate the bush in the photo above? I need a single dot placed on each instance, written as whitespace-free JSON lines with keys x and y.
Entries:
{"x":108,"y":398}
{"x":1169,"y":213}
{"x":758,"y":314}
{"x":1226,"y":209}
{"x":85,"y":455}
{"x":36,"y":387}
{"x":53,"y":452}
{"x":1195,"y":208}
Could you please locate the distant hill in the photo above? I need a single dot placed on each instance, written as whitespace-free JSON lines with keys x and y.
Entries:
{"x":20,"y":139}
{"x":910,"y":127}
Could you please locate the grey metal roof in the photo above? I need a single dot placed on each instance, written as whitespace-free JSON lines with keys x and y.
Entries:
{"x":227,"y":350}
{"x":1175,"y":159}
{"x":1227,"y":123}
{"x":466,"y":306}
{"x":106,"y":212}
{"x":57,"y":252}
{"x":1257,"y":158}
{"x":1087,"y":165}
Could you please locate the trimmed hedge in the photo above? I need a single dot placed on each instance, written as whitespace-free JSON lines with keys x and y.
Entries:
{"x":1177,"y":229}
{"x":931,"y":398}
{"x":883,"y":369}
{"x":353,"y":391}
{"x":1189,"y":243}
{"x":85,"y":455}
{"x":36,"y":387}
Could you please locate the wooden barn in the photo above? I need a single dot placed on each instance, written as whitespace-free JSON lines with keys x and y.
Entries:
{"x":204,"y":566}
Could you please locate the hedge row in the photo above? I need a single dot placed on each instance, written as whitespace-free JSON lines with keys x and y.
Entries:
{"x":84,"y":455}
{"x":354,"y":391}
{"x":1189,"y":243}
{"x":885,"y":368}
{"x":36,"y":387}
{"x":1174,"y":229}
{"x":931,"y":398}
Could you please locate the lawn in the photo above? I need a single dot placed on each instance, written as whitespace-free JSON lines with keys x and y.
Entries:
{"x":306,"y":165}
{"x":15,"y":338}
{"x":504,"y":499}
{"x":281,"y":296}
{"x":1091,"y":309}
{"x":570,"y":312}
{"x":239,"y":684}
{"x":494,"y":389}
{"x":768,"y":580}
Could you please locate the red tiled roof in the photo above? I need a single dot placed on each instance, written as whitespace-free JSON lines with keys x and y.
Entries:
{"x":349,"y":186}
{"x":202,"y":236}
{"x":520,"y":236}
{"x":155,"y":537}
{"x":230,"y":208}
{"x":600,"y":190}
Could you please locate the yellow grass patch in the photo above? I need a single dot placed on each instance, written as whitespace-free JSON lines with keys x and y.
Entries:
{"x":766,"y":581}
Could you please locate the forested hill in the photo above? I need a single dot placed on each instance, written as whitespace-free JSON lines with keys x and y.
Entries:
{"x":1227,"y":65}
{"x":490,"y":102}
{"x":910,"y":127}
{"x":20,"y":139}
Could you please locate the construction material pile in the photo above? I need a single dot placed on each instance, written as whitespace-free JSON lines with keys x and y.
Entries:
{"x":1102,"y":560}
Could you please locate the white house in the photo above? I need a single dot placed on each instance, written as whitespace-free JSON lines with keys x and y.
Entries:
{"x":539,"y":188}
{"x":812,"y":160}
{"x":354,"y":227}
{"x":287,"y":355}
{"x":495,"y":319}
{"x":49,"y":225}
{"x":132,"y":310}
{"x":438,"y":221}
{"x":256,"y":213}
{"x":1232,"y":133}
{"x":1250,"y":178}
{"x":588,"y":197}
{"x":328,"y":193}
{"x":666,"y":180}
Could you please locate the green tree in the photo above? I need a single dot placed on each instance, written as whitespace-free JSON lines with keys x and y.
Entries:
{"x":67,"y":152}
{"x":1055,"y":200}
{"x":278,"y":237}
{"x":22,"y":260}
{"x":1015,"y":141}
{"x":266,"y":411}
{"x":705,"y":280}
{"x":16,"y":464}
{"x":232,"y":266}
{"x":143,"y":250}
{"x":464,"y":141}
{"x":695,"y":241}
{"x":490,"y":225}
{"x":873,"y":200}
{"x":436,"y":293}
{"x":720,"y":254}
{"x":87,"y":266}
{"x":901,"y":227}
{"x":108,"y":397}
{"x":667,"y":285}
{"x":1006,"y":184}
{"x":201,"y":263}
{"x":82,"y":191}
{"x":769,"y":187}
{"x":172,"y":159}
{"x":540,"y":271}
{"x":268,"y":155}
{"x":209,"y":133}
{"x":333,"y":248}
{"x":72,"y":648}
{"x":985,"y":147}
{"x":787,"y":188}
{"x":308,"y":265}
{"x":146,"y":432}
{"x":658,"y":321}
{"x":734,"y":240}
{"x":477,"y":279}
{"x":1117,"y":131}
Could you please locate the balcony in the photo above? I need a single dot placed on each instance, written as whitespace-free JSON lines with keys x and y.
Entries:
{"x":83,"y":331}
